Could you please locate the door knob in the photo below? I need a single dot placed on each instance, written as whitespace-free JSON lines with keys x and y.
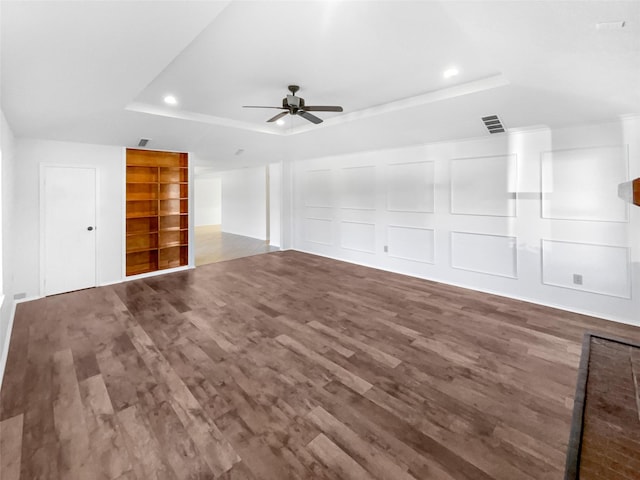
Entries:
{"x":89,"y":228}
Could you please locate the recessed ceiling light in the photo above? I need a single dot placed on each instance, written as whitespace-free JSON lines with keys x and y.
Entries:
{"x":450,"y":72}
{"x":171,"y":100}
{"x":280,"y":122}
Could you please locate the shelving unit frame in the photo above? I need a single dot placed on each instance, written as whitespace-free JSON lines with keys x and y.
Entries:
{"x":157,"y":210}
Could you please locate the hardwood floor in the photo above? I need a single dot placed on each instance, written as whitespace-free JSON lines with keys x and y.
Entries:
{"x":289,"y":366}
{"x":213,"y":245}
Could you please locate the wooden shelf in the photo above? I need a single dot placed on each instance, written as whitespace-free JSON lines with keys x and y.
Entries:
{"x":136,"y":226}
{"x":142,"y":174}
{"x":156,"y":158}
{"x":173,"y":238}
{"x":157,"y":210}
{"x":173,"y":175}
{"x":173,"y":222}
{"x":174,"y":191}
{"x":142,"y":262}
{"x":172,"y":257}
{"x":142,"y":191}
{"x":141,"y":242}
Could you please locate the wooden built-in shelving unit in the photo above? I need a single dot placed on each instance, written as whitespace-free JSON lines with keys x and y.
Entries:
{"x":157,"y":210}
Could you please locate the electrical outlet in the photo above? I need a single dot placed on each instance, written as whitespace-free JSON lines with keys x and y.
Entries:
{"x":386,"y":248}
{"x":577,"y":279}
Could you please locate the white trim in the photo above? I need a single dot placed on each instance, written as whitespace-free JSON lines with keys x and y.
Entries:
{"x":106,"y":284}
{"x":433,"y":250}
{"x":512,"y":158}
{"x":627,"y":250}
{"x":156,"y":273}
{"x":471,"y":87}
{"x":7,"y":340}
{"x":191,"y":213}
{"x":433,"y":186}
{"x":515,"y":254}
{"x":123,"y":215}
{"x":318,"y":218}
{"x":371,"y":252}
{"x":624,"y":147}
{"x":304,"y":231}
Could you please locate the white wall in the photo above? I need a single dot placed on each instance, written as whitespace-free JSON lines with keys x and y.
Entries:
{"x":244,"y":205}
{"x":275,"y":204}
{"x":208,"y":199}
{"x":472,"y":213}
{"x":7,"y":160}
{"x":109,"y":162}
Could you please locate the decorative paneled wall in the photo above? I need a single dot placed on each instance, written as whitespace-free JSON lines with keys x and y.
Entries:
{"x":410,"y":187}
{"x":484,"y":186}
{"x":490,"y":254}
{"x":601,"y":269}
{"x":532,"y":215}
{"x":358,"y":188}
{"x":411,"y":243}
{"x":318,"y":189}
{"x":581,"y":184}
{"x":359,"y":236}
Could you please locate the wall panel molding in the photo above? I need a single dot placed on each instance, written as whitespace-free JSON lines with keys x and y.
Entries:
{"x":410,"y":187}
{"x":318,"y":191}
{"x":483,"y":253}
{"x":582,"y":183}
{"x":358,"y":236}
{"x":318,"y":230}
{"x":484,"y":186}
{"x":602,"y":269}
{"x":358,"y":188}
{"x":416,"y":244}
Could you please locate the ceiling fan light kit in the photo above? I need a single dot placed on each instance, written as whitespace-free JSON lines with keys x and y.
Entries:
{"x":293,"y":105}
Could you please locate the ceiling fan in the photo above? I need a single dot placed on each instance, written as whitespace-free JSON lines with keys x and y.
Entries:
{"x":293,"y":105}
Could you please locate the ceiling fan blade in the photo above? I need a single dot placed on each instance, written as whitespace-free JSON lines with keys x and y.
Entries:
{"x":259,"y":106}
{"x":278,"y":116}
{"x":308,"y":116}
{"x":322,"y":108}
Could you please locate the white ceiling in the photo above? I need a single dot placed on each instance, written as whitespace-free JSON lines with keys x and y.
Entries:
{"x":97,"y":71}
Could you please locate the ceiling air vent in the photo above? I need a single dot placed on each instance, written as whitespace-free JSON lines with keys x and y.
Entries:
{"x":143,"y":142}
{"x":493,"y":124}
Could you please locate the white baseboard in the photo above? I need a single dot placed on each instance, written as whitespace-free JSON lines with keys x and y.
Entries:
{"x":154,"y":274}
{"x":7,"y":340}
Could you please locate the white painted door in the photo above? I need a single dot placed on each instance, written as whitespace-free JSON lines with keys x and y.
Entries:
{"x":69,"y":196}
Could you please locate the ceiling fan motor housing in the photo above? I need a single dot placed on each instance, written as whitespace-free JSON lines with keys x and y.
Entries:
{"x":293,"y":101}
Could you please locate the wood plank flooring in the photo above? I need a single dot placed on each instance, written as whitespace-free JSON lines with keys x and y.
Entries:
{"x":289,"y":366}
{"x":213,"y":245}
{"x":610,"y":441}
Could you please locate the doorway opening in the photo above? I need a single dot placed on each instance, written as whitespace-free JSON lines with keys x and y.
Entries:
{"x":237,"y":213}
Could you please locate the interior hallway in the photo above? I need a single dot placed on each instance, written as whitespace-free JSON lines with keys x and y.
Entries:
{"x":212,"y":245}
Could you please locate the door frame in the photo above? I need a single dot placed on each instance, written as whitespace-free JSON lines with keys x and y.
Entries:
{"x":43,"y":167}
